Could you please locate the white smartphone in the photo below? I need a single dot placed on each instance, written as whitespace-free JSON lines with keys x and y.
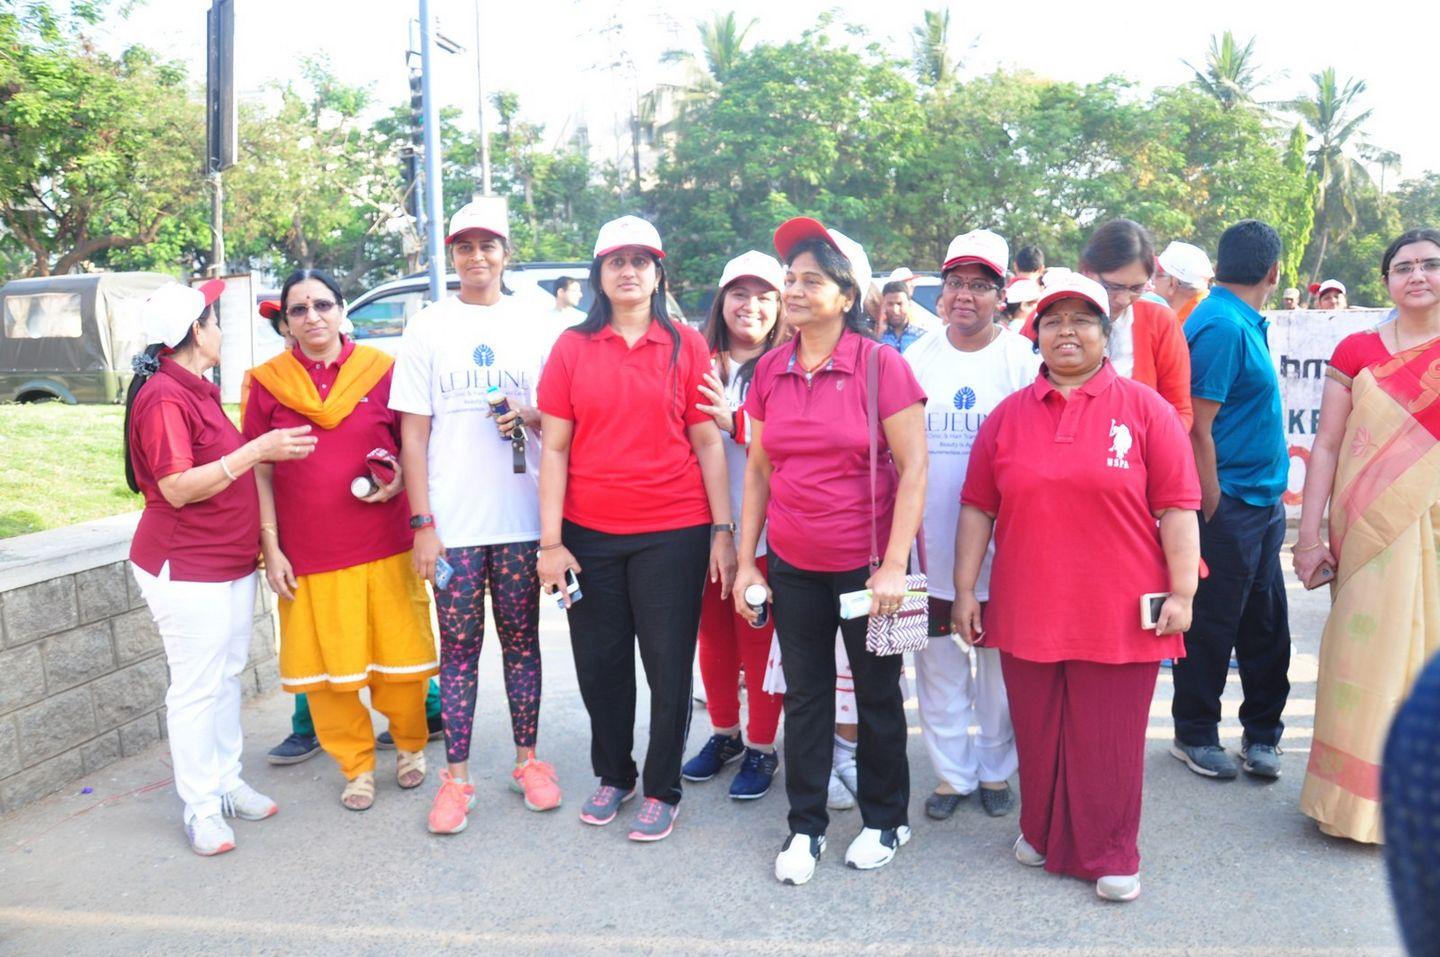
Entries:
{"x":1150,"y":606}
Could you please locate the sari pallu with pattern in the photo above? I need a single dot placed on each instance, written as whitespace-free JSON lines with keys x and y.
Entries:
{"x":1384,"y":620}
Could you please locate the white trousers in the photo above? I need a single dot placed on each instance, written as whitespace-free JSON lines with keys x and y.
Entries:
{"x":952,"y":698}
{"x":206,"y":627}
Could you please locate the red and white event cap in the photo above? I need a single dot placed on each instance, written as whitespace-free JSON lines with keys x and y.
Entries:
{"x":755,"y":265}
{"x":794,"y":231}
{"x":1316,"y":288}
{"x":900,"y":274}
{"x":978,"y":246}
{"x":628,"y":231}
{"x":1187,"y":263}
{"x":1023,"y":290}
{"x":171,"y":309}
{"x":485,"y":217}
{"x":269,"y":309}
{"x":1072,"y":285}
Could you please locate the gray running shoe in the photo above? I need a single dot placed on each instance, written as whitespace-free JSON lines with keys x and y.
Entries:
{"x":1260,"y":760}
{"x":654,"y":821}
{"x":604,"y":804}
{"x":1206,"y":760}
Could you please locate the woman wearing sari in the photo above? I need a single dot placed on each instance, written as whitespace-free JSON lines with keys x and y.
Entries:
{"x":1376,"y":461}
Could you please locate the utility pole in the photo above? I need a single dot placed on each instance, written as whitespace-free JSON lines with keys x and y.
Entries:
{"x":219,"y":118}
{"x":485,"y":189}
{"x":434,"y":208}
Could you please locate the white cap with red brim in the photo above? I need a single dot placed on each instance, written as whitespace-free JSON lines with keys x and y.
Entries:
{"x":755,"y":265}
{"x":1072,"y":285}
{"x":978,"y":246}
{"x":794,"y":231}
{"x":1320,"y":288}
{"x":628,"y":231}
{"x":1023,"y":290}
{"x":478,"y":217}
{"x":172,"y":309}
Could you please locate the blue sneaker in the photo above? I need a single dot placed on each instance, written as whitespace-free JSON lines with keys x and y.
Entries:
{"x":294,"y":749}
{"x":756,"y":773}
{"x":719,"y":751}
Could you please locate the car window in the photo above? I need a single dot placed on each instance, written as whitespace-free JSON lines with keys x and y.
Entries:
{"x":386,"y":315}
{"x":43,"y":315}
{"x":927,"y":296}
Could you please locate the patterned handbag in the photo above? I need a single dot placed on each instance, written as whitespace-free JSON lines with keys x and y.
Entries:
{"x":908,"y":628}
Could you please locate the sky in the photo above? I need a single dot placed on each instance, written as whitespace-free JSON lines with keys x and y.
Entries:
{"x":556,"y":54}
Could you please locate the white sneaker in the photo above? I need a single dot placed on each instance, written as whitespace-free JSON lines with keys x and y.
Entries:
{"x":795,"y":864}
{"x":1026,"y":854}
{"x":1124,"y":887}
{"x":839,"y":797}
{"x":874,"y":847}
{"x":247,"y":804}
{"x":210,"y":835}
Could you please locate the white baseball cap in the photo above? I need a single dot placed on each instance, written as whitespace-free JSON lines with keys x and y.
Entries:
{"x":978,"y":246}
{"x":485,"y":217}
{"x":756,"y":265}
{"x":628,"y":231}
{"x":173,"y":308}
{"x":1187,"y":263}
{"x":1023,"y":290}
{"x":900,"y":274}
{"x":794,"y":231}
{"x":1072,"y":285}
{"x":1320,"y":288}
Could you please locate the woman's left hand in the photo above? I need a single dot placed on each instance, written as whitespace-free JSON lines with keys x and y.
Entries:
{"x":723,"y":562}
{"x":1175,"y":616}
{"x":386,"y":492}
{"x":887,"y":587}
{"x":718,"y":409}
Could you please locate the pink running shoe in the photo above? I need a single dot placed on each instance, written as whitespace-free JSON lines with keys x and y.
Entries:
{"x":454,"y":800}
{"x":536,"y":780}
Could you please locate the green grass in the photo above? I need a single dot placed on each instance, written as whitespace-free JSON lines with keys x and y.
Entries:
{"x":60,"y":464}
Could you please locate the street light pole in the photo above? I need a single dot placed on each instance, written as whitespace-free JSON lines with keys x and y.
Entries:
{"x":480,"y":86}
{"x":434,"y":208}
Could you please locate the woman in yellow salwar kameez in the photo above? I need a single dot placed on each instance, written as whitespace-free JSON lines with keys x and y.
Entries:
{"x":1376,"y":461}
{"x":353,"y":613}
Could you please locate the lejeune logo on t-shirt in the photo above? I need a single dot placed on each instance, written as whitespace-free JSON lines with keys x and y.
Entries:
{"x":1120,"y":442}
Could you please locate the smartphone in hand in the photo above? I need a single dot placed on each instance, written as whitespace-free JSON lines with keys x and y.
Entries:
{"x":1150,"y":606}
{"x":443,"y":572}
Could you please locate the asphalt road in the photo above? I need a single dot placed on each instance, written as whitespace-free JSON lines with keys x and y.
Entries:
{"x":1230,"y":869}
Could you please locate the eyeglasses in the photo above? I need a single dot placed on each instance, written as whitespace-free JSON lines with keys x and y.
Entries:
{"x":1078,"y":323}
{"x":977,"y":287}
{"x":1115,"y":287}
{"x":322,"y":307}
{"x":1428,"y":267}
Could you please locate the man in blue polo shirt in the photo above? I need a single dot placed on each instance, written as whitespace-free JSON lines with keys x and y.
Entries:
{"x":1239,"y":441}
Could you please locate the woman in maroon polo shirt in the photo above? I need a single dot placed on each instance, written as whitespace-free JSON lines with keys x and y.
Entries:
{"x":633,"y":498}
{"x":194,"y":550}
{"x":1071,"y":473}
{"x":808,"y":480}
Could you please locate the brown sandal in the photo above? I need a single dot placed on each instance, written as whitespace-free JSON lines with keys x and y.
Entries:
{"x":359,"y":792}
{"x":409,"y":768}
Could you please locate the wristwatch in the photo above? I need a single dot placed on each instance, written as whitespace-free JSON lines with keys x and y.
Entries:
{"x":723,"y":527}
{"x":422,"y":521}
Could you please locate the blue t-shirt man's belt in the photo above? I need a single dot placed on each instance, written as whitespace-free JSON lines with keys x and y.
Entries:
{"x":1230,"y":364}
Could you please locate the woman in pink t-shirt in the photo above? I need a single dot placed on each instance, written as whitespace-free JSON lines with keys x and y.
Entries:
{"x":1071,"y":473}
{"x":808,"y":480}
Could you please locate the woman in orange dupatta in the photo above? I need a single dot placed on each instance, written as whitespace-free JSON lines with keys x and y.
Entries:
{"x":353,"y":613}
{"x":1376,"y":461}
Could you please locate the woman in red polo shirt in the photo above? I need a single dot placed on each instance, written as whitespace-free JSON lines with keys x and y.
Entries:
{"x":353,"y":612}
{"x":808,"y":481}
{"x":633,"y":498}
{"x":1071,"y":473}
{"x":194,"y":550}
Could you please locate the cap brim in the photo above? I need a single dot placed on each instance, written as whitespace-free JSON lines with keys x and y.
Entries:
{"x":1050,"y":299}
{"x":978,"y":260}
{"x":211,"y":290}
{"x":269,"y":309}
{"x":731,"y":280}
{"x":484,"y":231}
{"x":793,"y":232}
{"x":658,"y":253}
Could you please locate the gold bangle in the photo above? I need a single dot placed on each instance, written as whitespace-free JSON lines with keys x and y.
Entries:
{"x":1308,"y":548}
{"x":269,"y":527}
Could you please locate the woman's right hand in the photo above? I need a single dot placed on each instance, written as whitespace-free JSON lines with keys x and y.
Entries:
{"x":1305,"y":560}
{"x":551,"y":566}
{"x":426,"y":549}
{"x":281,"y":445}
{"x":965,"y":617}
{"x":279,"y":575}
{"x":747,"y":575}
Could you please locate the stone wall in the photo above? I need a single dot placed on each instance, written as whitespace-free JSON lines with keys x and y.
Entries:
{"x":82,"y":667}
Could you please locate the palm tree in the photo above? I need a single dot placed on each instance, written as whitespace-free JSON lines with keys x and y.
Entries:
{"x":1230,"y":71}
{"x":935,"y":63}
{"x":1331,"y":113}
{"x":722,"y":46}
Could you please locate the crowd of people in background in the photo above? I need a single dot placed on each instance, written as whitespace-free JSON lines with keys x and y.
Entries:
{"x":1086,"y":465}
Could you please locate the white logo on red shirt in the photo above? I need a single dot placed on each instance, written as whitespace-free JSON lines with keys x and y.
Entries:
{"x":1119,"y":446}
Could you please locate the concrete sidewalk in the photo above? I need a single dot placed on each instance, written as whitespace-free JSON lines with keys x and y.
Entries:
{"x":1230,"y":869}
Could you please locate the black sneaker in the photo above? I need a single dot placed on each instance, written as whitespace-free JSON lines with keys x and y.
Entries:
{"x":755,"y":774}
{"x":719,"y":751}
{"x":997,"y":802}
{"x":294,"y":749}
{"x":1260,"y":760}
{"x":435,"y":725}
{"x":1206,"y":760}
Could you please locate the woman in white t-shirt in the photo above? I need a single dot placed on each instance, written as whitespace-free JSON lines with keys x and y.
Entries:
{"x":477,"y":519}
{"x":965,"y":372}
{"x":743,"y":325}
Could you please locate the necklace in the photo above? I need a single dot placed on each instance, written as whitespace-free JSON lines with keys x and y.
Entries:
{"x":810,"y":371}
